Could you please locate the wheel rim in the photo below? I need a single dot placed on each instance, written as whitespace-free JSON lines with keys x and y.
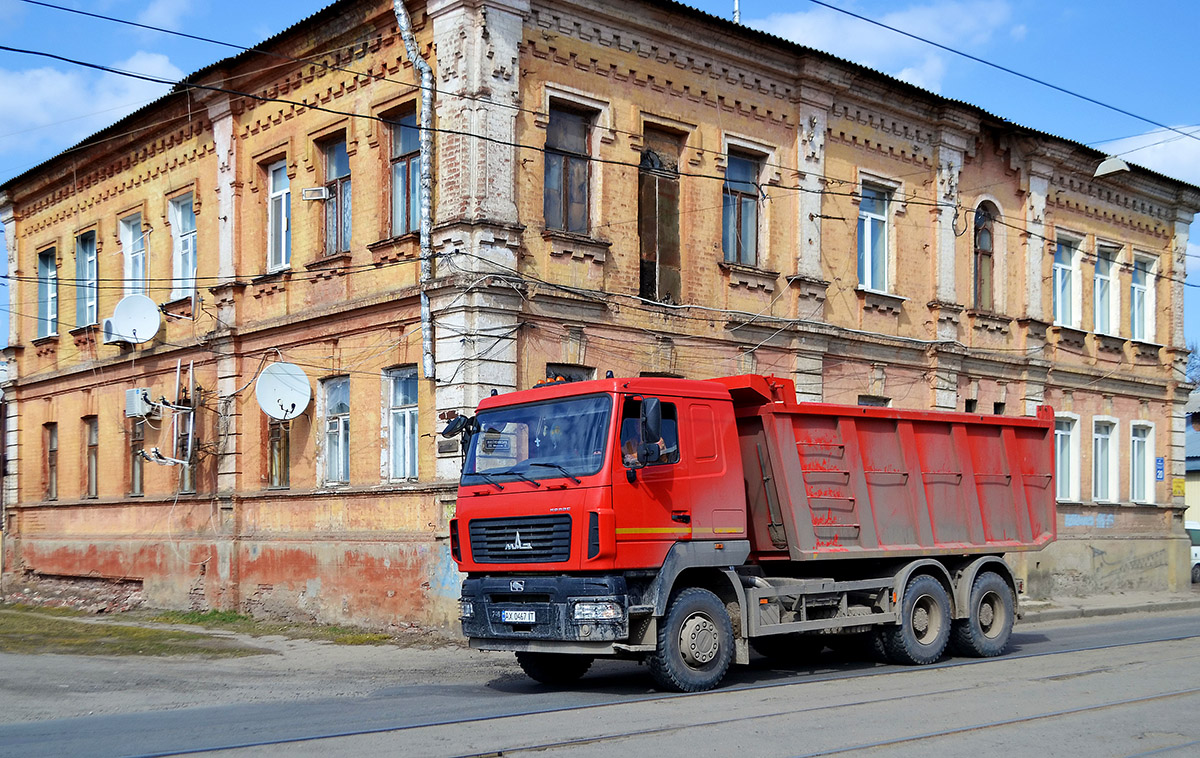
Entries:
{"x":926,"y":619}
{"x":698,"y":640}
{"x":991,"y":615}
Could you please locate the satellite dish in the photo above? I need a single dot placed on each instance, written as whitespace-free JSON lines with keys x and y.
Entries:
{"x":135,"y":319}
{"x":283,"y":391}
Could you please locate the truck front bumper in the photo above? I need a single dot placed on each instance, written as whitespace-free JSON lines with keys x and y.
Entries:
{"x":560,"y":608}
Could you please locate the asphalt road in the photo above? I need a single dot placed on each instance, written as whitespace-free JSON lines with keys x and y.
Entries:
{"x":1119,"y":686}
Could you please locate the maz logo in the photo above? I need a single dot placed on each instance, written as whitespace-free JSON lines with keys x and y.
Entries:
{"x":517,"y":544}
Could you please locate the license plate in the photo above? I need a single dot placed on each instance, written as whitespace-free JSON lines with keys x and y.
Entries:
{"x":518,"y":617}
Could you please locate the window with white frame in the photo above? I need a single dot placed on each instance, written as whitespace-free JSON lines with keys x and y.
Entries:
{"x":47,"y":322}
{"x":278,"y":454}
{"x":739,"y":216}
{"x":1105,"y":296}
{"x":1141,"y":299}
{"x":1066,"y":305}
{"x":133,"y":250}
{"x":406,"y":175}
{"x":279,"y":217}
{"x":1141,"y":462}
{"x":337,"y":430}
{"x":337,"y":204}
{"x":1104,"y":462}
{"x":402,"y":422}
{"x":87,"y":293}
{"x":183,"y":246}
{"x":873,"y":238}
{"x":1066,"y":458}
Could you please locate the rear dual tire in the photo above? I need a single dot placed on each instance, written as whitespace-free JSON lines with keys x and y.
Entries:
{"x":987,"y":630}
{"x":924,"y":629}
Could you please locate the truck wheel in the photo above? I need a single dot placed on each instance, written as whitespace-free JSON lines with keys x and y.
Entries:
{"x":789,"y":649}
{"x":695,"y":643}
{"x":986,"y":631}
{"x":924,"y":627}
{"x":554,"y":668}
{"x":1196,"y":574}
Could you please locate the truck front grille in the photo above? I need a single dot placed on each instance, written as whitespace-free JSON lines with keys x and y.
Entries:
{"x":530,"y":539}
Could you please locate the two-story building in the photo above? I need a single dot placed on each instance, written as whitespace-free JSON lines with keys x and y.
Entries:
{"x":631,"y":186}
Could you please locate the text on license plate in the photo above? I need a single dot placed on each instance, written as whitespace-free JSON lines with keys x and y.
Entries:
{"x":518,"y":617}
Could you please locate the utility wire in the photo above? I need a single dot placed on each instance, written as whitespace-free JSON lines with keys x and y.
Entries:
{"x":1005,"y":69}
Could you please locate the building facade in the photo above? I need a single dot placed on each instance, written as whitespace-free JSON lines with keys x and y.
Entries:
{"x":631,"y":186}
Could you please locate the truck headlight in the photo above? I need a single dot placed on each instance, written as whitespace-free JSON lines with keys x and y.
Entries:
{"x":467,"y":608}
{"x":598,"y":611}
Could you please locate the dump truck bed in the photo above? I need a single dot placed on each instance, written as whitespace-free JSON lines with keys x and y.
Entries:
{"x":834,"y":481}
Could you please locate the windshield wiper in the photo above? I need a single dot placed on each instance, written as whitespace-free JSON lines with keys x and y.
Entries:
{"x":515,"y":473}
{"x":488,"y":478}
{"x":561,"y":468}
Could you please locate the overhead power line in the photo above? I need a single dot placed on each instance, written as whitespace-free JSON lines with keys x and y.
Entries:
{"x":1005,"y":69}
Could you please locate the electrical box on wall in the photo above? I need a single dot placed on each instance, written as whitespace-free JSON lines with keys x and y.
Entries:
{"x":138,"y":405}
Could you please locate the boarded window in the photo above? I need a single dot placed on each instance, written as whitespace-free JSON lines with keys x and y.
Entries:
{"x":658,"y":217}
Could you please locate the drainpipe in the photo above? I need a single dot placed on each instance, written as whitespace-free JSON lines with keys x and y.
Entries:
{"x":426,"y":140}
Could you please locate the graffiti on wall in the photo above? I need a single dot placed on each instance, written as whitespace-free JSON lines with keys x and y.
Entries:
{"x":1109,"y":571}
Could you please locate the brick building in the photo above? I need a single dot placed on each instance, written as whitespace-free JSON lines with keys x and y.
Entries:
{"x":631,"y":186}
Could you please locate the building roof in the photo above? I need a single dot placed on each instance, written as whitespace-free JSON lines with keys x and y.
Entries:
{"x":671,"y":6}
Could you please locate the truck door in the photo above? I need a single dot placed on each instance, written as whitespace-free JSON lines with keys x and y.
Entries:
{"x":653,"y":510}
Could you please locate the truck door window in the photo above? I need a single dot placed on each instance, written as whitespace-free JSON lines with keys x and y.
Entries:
{"x":631,"y":433}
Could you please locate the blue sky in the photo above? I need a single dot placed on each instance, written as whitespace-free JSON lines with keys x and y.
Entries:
{"x":1136,"y":56}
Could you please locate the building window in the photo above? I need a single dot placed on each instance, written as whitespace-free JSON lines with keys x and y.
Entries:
{"x":279,"y":217}
{"x":984,"y":257}
{"x":568,"y":171}
{"x":185,"y":449}
{"x":337,"y":430}
{"x":1063,"y":293}
{"x":137,"y":443}
{"x":278,"y":453}
{"x":658,"y":219}
{"x":337,"y":204}
{"x":183,"y":246}
{"x":47,"y":293}
{"x":875,"y":401}
{"x":572,"y":372}
{"x":1104,"y":293}
{"x":873,"y":238}
{"x":1141,"y":300}
{"x":402,"y":422}
{"x":1141,"y":463}
{"x":739,"y":213}
{"x":86,"y":280}
{"x":91,"y":436}
{"x":133,"y":250}
{"x":1104,"y":464}
{"x":1066,"y":459}
{"x":50,"y":443}
{"x":406,"y":175}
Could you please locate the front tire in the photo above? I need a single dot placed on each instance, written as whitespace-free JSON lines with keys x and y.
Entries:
{"x":695,"y":643}
{"x":986,"y":631}
{"x":924,"y":629}
{"x":554,"y":668}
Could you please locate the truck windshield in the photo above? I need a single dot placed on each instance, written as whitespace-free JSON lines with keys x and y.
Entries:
{"x":540,"y":440}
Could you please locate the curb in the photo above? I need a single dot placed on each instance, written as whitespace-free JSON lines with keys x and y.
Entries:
{"x":1058,"y":613}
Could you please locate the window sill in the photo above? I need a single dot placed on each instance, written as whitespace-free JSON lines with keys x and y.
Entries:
{"x":49,"y":339}
{"x":1110,"y":343}
{"x":395,"y":249}
{"x":987,"y":321}
{"x":1143,"y":350}
{"x":1069,"y":337}
{"x":84,"y":336}
{"x":883,"y":302}
{"x":809,"y":288}
{"x":329,"y":266}
{"x":576,"y":246}
{"x":180,"y":307}
{"x":270,"y":283}
{"x":46,"y":347}
{"x":750,"y":277}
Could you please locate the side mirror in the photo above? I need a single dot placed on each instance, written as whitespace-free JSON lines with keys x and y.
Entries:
{"x":651,"y":418}
{"x":456,"y":426}
{"x":648,"y":452}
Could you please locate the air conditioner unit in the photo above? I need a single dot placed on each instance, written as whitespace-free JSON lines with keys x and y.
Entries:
{"x":138,"y":405}
{"x":315,"y":193}
{"x":112,"y":335}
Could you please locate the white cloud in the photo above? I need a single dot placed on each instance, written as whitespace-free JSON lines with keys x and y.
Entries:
{"x":166,"y":14}
{"x":49,"y":110}
{"x":960,"y":24}
{"x":1163,"y":151}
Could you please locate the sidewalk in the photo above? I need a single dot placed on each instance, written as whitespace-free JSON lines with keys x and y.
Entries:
{"x":1057,"y":609}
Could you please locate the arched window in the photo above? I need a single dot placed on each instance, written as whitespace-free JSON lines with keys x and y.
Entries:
{"x":985,"y":218}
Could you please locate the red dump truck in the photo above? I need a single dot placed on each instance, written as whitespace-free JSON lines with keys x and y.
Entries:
{"x":684,"y":522}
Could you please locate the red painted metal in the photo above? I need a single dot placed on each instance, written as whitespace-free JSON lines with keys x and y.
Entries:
{"x":800,"y":481}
